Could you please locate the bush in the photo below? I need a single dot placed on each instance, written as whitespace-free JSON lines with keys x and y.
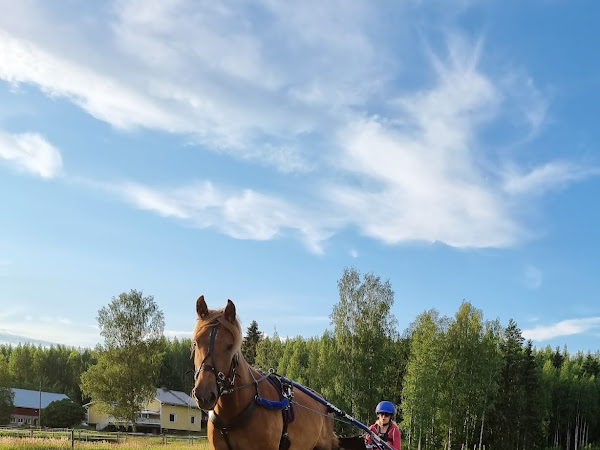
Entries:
{"x":63,"y":413}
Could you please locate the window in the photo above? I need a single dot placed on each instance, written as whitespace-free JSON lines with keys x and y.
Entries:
{"x":193,"y":420}
{"x":171,"y":417}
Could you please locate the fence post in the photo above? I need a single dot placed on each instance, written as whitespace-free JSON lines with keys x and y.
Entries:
{"x":72,"y":438}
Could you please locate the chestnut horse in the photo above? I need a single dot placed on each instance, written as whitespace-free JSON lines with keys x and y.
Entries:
{"x":229,"y":388}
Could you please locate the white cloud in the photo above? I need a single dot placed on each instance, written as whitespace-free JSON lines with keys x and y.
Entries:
{"x":411,"y":193}
{"x":563,"y":328}
{"x":178,"y":334}
{"x":30,"y":152}
{"x":57,"y":332}
{"x":53,"y":319}
{"x":241,"y":214}
{"x":420,"y":176}
{"x":313,"y":90}
{"x":102,"y":96}
{"x":549,"y":176}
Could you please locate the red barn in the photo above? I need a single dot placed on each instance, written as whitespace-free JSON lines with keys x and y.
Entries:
{"x":27,"y":406}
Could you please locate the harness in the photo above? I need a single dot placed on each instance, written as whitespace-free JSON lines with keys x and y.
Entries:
{"x":226,"y":385}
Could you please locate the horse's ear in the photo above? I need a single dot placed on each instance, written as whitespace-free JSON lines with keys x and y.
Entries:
{"x":230,"y":311}
{"x":201,"y":307}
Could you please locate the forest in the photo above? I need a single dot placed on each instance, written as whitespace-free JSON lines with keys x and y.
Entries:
{"x":458,"y":382}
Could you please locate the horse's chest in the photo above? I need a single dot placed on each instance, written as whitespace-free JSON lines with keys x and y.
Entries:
{"x":257,"y":435}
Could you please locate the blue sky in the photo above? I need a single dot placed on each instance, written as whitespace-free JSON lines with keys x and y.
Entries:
{"x":252,"y":150}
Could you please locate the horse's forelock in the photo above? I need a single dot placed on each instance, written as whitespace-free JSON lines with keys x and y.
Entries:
{"x":216,"y":316}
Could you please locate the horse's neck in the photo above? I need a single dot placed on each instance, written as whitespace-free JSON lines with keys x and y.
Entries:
{"x":231,"y":405}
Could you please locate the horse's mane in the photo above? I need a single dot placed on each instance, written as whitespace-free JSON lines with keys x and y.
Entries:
{"x":217,"y":316}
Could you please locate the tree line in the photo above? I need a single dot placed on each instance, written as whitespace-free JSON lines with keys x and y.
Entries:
{"x":458,"y":382}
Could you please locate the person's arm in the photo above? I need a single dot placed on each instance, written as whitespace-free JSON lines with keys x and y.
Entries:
{"x":397,"y":439}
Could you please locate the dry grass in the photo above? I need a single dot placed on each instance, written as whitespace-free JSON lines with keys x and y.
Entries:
{"x":7,"y":443}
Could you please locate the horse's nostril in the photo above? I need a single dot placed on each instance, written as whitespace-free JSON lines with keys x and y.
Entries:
{"x":204,"y":399}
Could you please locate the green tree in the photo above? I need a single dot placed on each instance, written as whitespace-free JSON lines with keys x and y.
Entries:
{"x":177,"y":368}
{"x":6,"y":404}
{"x":63,"y":413}
{"x":506,"y":421}
{"x":531,"y":410}
{"x":251,"y":340}
{"x":328,"y":378}
{"x":78,"y":361}
{"x":365,"y":329}
{"x":269,"y":352}
{"x":21,"y":367}
{"x":424,"y":380}
{"x":6,"y":393}
{"x":125,"y":377}
{"x":294,"y":361}
{"x":471,"y":371}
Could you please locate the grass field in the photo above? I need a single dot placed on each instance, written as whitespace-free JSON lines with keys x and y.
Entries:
{"x":7,"y":443}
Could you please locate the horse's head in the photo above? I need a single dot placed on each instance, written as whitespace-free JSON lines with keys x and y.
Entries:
{"x":217,"y":340}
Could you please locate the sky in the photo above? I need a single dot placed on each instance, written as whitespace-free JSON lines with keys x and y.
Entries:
{"x":253,"y":150}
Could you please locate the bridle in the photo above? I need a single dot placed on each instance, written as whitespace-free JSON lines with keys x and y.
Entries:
{"x":224,"y":383}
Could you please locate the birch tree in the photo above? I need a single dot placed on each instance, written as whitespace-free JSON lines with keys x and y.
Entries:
{"x":364,"y":328}
{"x":129,"y":362}
{"x":424,"y":380}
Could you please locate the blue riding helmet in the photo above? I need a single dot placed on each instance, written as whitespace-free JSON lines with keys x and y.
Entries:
{"x":385,"y":407}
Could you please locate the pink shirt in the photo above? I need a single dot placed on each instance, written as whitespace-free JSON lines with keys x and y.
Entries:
{"x":393,"y":435}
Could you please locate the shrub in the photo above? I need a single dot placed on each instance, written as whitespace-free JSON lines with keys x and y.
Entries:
{"x":63,"y":413}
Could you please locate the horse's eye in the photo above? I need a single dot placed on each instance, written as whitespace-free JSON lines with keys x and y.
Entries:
{"x":229,"y":347}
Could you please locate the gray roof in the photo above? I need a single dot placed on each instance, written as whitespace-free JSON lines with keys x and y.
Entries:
{"x":25,"y":398}
{"x":170,"y":397}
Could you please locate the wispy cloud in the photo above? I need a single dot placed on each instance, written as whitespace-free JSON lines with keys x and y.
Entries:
{"x":170,"y":334}
{"x":31,"y":153}
{"x":62,"y":331}
{"x":20,"y":323}
{"x":283,"y":93}
{"x":563,"y":328}
{"x":9,"y":338}
{"x":100,"y":95}
{"x":241,"y":214}
{"x":552,"y":175}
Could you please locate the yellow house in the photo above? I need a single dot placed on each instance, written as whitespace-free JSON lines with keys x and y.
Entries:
{"x":167,"y":411}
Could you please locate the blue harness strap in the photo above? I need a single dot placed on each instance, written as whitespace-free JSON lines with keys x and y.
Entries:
{"x":271,"y":404}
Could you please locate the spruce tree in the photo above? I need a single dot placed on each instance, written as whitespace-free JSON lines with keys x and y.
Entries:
{"x":251,"y":340}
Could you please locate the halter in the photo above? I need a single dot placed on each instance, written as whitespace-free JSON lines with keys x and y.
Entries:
{"x":224,"y":384}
